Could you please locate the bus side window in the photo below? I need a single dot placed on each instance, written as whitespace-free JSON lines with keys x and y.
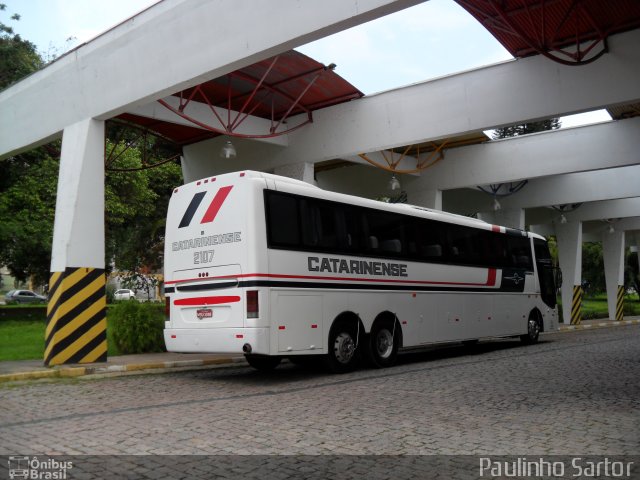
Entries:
{"x":466,"y":245}
{"x":519,"y":252}
{"x":319,"y":220}
{"x":497,"y":249}
{"x":386,"y":233}
{"x":326,"y":222}
{"x":349,"y":221}
{"x":424,"y":240}
{"x":309,"y":222}
{"x":283,"y":220}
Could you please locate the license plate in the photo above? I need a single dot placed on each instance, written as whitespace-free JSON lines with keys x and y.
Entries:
{"x":204,"y":313}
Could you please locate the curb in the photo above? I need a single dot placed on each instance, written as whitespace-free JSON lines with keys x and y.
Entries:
{"x":591,"y":326}
{"x":70,"y":372}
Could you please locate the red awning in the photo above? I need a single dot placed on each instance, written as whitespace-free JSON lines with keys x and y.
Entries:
{"x":554,"y":27}
{"x":276,"y":89}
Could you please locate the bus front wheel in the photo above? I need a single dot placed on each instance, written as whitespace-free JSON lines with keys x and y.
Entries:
{"x":533,"y":331}
{"x":264,"y":363}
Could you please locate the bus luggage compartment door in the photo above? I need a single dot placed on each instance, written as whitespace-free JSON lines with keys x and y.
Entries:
{"x":298,"y":319}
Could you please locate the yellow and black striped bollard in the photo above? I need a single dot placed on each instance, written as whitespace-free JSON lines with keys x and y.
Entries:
{"x":76,"y":317}
{"x":576,"y":305}
{"x":620,"y":303}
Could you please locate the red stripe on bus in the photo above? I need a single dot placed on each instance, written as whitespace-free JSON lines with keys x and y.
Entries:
{"x":207,"y":300}
{"x":491,"y":277}
{"x":216,"y":204}
{"x":490,"y":282}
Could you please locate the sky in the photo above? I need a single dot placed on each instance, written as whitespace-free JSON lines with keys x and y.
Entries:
{"x":430,"y":40}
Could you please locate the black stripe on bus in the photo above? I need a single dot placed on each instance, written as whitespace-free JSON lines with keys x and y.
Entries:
{"x":203,"y":286}
{"x":361,"y":286}
{"x":506,"y":286}
{"x":191,"y":209}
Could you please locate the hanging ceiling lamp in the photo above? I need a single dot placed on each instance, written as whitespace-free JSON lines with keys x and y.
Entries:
{"x":228,"y":150}
{"x":394,"y":184}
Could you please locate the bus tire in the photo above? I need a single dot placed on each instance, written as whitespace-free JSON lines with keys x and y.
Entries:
{"x":264,"y":363}
{"x":343,"y":351}
{"x":533,"y":330}
{"x":384,"y":341}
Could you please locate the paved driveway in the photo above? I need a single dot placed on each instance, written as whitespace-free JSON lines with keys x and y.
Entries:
{"x":572,"y":394}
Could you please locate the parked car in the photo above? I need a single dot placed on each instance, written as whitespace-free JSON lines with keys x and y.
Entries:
{"x":23,"y":296}
{"x":124,"y":294}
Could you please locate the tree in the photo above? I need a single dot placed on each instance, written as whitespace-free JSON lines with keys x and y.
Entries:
{"x":135,"y":211}
{"x":526,"y":128}
{"x":137,"y":198}
{"x":27,"y":181}
{"x":18,"y":57}
{"x":27,"y":209}
{"x":593,"y":267}
{"x":140,"y":282}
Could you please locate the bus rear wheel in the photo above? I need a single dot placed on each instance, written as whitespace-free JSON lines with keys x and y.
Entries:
{"x":344,"y":354}
{"x":533,"y":331}
{"x":264,"y":363}
{"x":384,"y":341}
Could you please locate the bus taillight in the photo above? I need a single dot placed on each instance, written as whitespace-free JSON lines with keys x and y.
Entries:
{"x":167,"y":307}
{"x":253,"y":309}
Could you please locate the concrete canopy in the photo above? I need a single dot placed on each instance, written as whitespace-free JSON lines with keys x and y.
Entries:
{"x":90,"y":81}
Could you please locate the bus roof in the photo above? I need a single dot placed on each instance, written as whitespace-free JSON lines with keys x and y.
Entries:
{"x":365,"y":202}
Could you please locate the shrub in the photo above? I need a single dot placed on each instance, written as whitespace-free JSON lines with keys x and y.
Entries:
{"x":23,"y":312}
{"x":137,"y":327}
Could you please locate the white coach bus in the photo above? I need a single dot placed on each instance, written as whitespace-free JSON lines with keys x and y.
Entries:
{"x":276,"y":268}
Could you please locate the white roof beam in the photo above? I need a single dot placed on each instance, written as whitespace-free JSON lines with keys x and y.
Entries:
{"x":614,"y":212}
{"x":171,"y":46}
{"x":627,"y":224}
{"x":605,"y":145}
{"x":571,"y":188}
{"x":521,"y":90}
{"x":610,"y":184}
{"x":605,"y":210}
{"x":593,"y":231}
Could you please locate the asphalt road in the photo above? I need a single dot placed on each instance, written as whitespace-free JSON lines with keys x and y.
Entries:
{"x":572,"y":394}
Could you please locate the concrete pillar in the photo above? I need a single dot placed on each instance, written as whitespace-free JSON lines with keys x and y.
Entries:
{"x":509,"y":217}
{"x":426,"y":198}
{"x":298,"y":171}
{"x":76,"y":314}
{"x":569,"y":237}
{"x":613,"y":252}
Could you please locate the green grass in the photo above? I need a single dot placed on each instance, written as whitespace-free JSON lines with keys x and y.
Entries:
{"x":595,"y":306}
{"x":24,"y":340}
{"x":21,"y":339}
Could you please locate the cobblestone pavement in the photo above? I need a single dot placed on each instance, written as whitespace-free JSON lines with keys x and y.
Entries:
{"x":571,"y":394}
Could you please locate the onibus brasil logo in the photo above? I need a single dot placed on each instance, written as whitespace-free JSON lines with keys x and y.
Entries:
{"x":33,"y":468}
